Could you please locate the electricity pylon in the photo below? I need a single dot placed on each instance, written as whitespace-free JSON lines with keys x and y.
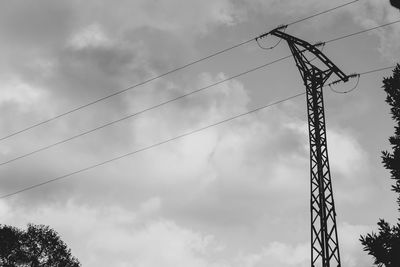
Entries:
{"x":324,"y":238}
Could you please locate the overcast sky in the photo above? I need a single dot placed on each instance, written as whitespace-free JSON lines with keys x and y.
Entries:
{"x":236,"y":195}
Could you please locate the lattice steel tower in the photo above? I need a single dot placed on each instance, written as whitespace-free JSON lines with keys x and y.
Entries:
{"x":324,"y":238}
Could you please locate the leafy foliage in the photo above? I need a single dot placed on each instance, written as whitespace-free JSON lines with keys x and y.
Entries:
{"x":38,"y":246}
{"x":395,"y":3}
{"x":384,"y":246}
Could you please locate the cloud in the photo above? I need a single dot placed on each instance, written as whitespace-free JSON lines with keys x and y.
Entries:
{"x":351,"y":249}
{"x":20,"y":104}
{"x":373,"y":13}
{"x":90,"y":36}
{"x":279,"y":254}
{"x":347,"y":156}
{"x":349,"y":162}
{"x":167,"y":16}
{"x":190,"y":154}
{"x":18,"y":93}
{"x":88,"y":52}
{"x":217,"y":198}
{"x":276,"y":253}
{"x":193,"y":178}
{"x":34,"y":24}
{"x":113,"y":236}
{"x":367,"y":14}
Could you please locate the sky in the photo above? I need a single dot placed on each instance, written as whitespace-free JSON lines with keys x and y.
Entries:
{"x":234,"y":195}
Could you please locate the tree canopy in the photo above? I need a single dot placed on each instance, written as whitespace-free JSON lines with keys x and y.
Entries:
{"x":395,"y":3}
{"x":37,"y":246}
{"x":384,"y":246}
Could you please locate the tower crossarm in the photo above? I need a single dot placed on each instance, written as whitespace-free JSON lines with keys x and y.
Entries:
{"x":324,"y":237}
{"x":312,"y":49}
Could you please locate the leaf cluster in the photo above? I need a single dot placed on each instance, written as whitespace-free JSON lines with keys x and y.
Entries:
{"x":384,"y":246}
{"x":37,"y":246}
{"x":395,"y":3}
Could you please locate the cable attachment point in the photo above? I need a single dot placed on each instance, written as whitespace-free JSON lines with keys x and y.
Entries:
{"x":281,"y":27}
{"x":348,"y":77}
{"x":320,"y":44}
{"x":264,"y":35}
{"x":354,"y":75}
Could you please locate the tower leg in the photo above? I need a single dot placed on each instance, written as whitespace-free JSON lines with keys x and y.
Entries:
{"x":324,"y":239}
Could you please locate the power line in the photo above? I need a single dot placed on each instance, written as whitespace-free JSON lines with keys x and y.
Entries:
{"x":347,"y":91}
{"x":357,"y":75}
{"x":323,"y":12}
{"x":168,"y":140}
{"x":363,"y":31}
{"x":143,"y":111}
{"x":124,"y":90}
{"x":151,"y":146}
{"x":376,"y":70}
{"x":159,"y":76}
{"x":175,"y":99}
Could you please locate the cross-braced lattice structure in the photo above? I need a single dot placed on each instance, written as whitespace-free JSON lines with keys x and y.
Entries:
{"x":324,"y":238}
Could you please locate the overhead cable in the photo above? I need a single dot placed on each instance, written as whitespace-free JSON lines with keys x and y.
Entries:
{"x":355,"y":75}
{"x":323,"y":12}
{"x":143,"y":111}
{"x":175,"y":99}
{"x":363,"y":31}
{"x":157,"y":77}
{"x":347,"y":91}
{"x":48,"y":181}
{"x":150,"y":146}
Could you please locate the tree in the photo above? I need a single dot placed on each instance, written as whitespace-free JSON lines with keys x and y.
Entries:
{"x":395,"y":3}
{"x":37,"y":246}
{"x":384,"y":246}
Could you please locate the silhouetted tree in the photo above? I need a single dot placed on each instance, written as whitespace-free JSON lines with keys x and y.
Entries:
{"x":384,"y":246}
{"x":38,"y":246}
{"x":395,"y":3}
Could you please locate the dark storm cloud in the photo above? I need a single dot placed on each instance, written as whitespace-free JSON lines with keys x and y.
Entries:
{"x":29,"y":24}
{"x":40,"y":33}
{"x":244,"y":182}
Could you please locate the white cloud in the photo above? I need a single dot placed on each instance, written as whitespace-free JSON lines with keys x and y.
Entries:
{"x":197,"y":17}
{"x":196,"y":200}
{"x":278,"y":254}
{"x":366,"y":13}
{"x":182,"y":18}
{"x":347,"y":157}
{"x":150,"y":206}
{"x":90,"y":36}
{"x":112,"y":236}
{"x":4,"y":209}
{"x":21,"y":103}
{"x":351,"y":249}
{"x":119,"y":237}
{"x":373,"y":13}
{"x":16,"y":91}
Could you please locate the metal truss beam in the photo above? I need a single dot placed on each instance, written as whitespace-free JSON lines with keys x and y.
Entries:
{"x":324,"y":237}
